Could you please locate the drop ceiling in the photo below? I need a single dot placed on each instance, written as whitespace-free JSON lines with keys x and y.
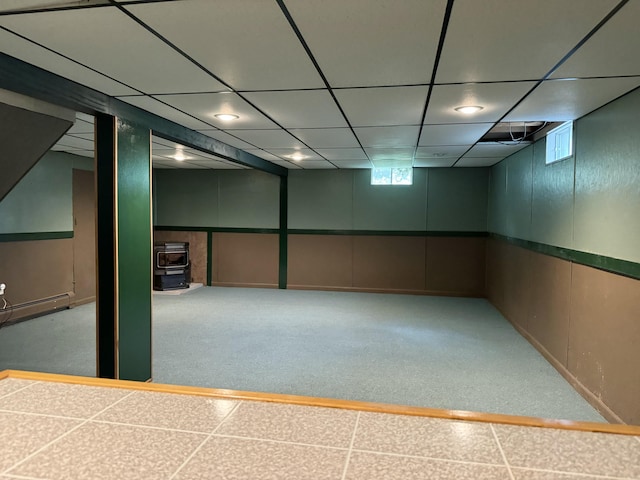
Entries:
{"x":335,"y":83}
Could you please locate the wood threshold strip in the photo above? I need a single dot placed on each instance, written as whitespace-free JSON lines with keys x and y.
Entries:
{"x":620,"y":429}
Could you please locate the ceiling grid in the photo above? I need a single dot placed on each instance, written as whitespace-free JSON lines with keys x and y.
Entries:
{"x":336,"y":84}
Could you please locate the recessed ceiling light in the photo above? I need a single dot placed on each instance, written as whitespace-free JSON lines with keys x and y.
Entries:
{"x":226,"y":117}
{"x":468,"y":109}
{"x":179,"y":157}
{"x":297,"y":156}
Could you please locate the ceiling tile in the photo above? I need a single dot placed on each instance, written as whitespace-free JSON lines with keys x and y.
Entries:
{"x":289,"y":153}
{"x":24,"y":5}
{"x":190,"y":166}
{"x":498,"y":40}
{"x":171,"y":155}
{"x":43,"y":58}
{"x":401,"y":37}
{"x":442,"y":151}
{"x":86,"y":136}
{"x":352,"y":163}
{"x":226,"y":138}
{"x":611,"y":51}
{"x":366,"y":107}
{"x":108,"y":41}
{"x":435,"y":162}
{"x":154,"y":106}
{"x":267,"y":139}
{"x":495,"y":98}
{"x":563,"y":100}
{"x":163,"y":164}
{"x":453,"y":134}
{"x":85,"y":117}
{"x":477,"y":162}
{"x":342,"y":153}
{"x":76,"y":142}
{"x":248,"y":44}
{"x":80,"y":126}
{"x":376,"y":154}
{"x":326,"y":137}
{"x":494,"y":149}
{"x":83,"y":153}
{"x":388,"y":136}
{"x":316,"y":165}
{"x":206,"y":105}
{"x":291,"y":109}
{"x":264,"y":155}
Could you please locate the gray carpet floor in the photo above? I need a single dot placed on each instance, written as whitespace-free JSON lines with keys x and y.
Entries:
{"x":455,"y":353}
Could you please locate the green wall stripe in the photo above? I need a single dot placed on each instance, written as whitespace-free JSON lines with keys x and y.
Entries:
{"x":387,"y":233}
{"x":167,"y":228}
{"x":394,"y":233}
{"x":27,"y":237}
{"x":601,"y":262}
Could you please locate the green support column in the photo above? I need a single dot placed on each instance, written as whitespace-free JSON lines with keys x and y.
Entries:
{"x":124,"y":249}
{"x":282,"y":270}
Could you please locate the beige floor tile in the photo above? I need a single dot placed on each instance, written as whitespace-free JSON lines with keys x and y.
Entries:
{"x":245,"y":459}
{"x":291,"y":423}
{"x":427,"y":437}
{"x":570,"y":451}
{"x":165,"y":410}
{"x":10,"y":385}
{"x":99,"y":451}
{"x":62,"y":399}
{"x":375,"y":466}
{"x":520,"y":474}
{"x":21,"y":435}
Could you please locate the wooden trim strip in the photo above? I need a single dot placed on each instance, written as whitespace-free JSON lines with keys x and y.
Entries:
{"x":329,"y":403}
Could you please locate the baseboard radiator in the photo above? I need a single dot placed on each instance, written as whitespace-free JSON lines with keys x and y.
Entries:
{"x":34,"y":308}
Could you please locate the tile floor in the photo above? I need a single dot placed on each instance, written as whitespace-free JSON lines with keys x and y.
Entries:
{"x":57,"y":431}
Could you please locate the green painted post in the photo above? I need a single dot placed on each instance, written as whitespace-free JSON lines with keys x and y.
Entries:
{"x":124,"y":311}
{"x":282,"y":267}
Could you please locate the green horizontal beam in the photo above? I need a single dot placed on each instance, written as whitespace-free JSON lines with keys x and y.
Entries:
{"x":601,"y":262}
{"x":27,"y":79}
{"x":27,"y":237}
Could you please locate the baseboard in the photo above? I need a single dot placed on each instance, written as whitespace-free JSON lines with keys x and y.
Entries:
{"x":41,"y":306}
{"x":83,"y":301}
{"x":244,"y":285}
{"x":400,"y":291}
{"x":587,"y":394}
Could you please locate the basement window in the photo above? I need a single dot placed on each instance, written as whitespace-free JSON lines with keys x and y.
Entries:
{"x":560,"y":143}
{"x":392,"y":176}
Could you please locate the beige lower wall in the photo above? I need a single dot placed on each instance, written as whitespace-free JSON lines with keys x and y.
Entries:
{"x":197,"y":250}
{"x":245,"y":259}
{"x":585,"y":320}
{"x":408,"y":264}
{"x":36,"y":271}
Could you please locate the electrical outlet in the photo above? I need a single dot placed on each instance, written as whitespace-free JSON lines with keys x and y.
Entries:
{"x":2,"y":288}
